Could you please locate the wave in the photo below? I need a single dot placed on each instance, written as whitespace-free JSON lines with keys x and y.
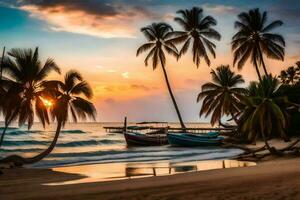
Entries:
{"x":72,"y":131}
{"x":62,"y":144}
{"x":24,"y":142}
{"x":89,"y":143}
{"x":27,"y":150}
{"x":17,"y":131}
{"x":8,"y":128}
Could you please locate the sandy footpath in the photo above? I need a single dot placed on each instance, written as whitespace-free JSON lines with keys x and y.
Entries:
{"x":275,"y":180}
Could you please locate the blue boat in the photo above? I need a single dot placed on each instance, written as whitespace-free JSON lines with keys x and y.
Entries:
{"x":186,"y":139}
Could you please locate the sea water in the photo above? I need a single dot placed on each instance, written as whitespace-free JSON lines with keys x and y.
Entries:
{"x":88,"y":143}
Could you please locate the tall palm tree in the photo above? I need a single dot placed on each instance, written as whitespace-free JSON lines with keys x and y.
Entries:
{"x":67,"y":99}
{"x":158,"y":42}
{"x":25,"y":74}
{"x":222,"y":96}
{"x":197,"y":29}
{"x":265,"y":112}
{"x":254,"y":39}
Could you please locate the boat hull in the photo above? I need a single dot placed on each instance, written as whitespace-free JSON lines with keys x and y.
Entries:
{"x":188,"y":140}
{"x":137,"y":139}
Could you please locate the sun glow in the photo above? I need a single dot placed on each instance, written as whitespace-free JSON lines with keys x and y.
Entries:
{"x":48,"y":103}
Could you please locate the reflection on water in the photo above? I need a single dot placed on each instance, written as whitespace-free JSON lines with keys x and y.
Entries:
{"x":119,"y":171}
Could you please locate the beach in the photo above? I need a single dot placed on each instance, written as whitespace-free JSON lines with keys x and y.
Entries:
{"x":274,"y":179}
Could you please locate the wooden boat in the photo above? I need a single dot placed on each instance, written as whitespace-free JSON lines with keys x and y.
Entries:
{"x":186,"y":139}
{"x":139,"y":139}
{"x":134,"y":138}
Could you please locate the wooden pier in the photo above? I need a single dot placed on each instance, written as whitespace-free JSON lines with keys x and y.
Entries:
{"x":119,"y":129}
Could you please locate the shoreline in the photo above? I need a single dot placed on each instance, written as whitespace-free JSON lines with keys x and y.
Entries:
{"x":274,"y":179}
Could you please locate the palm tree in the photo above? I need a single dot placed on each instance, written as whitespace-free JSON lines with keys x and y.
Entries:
{"x":158,"y":42}
{"x":254,"y":39}
{"x":284,"y":77}
{"x":68,"y":99}
{"x":265,"y":112}
{"x":199,"y":30}
{"x":25,"y":75}
{"x":292,"y":74}
{"x":222,"y":96}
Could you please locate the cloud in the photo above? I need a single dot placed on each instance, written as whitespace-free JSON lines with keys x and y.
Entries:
{"x":220,"y":9}
{"x":98,"y":18}
{"x":110,"y":101}
{"x":125,"y":75}
{"x":140,"y":87}
{"x":191,"y":81}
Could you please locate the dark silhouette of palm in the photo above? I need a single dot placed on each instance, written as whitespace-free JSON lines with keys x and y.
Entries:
{"x":198,"y":30}
{"x":254,"y":39}
{"x":291,"y":75}
{"x":222,"y":96}
{"x":158,"y":42}
{"x":265,"y":112}
{"x":68,"y":99}
{"x":24,"y":79}
{"x":284,"y":77}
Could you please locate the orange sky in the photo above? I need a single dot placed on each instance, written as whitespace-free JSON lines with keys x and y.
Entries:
{"x":100,"y":40}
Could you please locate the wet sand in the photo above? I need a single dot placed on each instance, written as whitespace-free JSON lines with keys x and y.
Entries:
{"x":274,"y":180}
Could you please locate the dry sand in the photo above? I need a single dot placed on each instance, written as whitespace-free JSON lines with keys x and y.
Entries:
{"x":271,"y":180}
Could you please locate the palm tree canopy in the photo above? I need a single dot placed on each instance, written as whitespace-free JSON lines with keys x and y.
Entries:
{"x":222,"y":95}
{"x":254,"y":38}
{"x":265,"y":110}
{"x":198,"y":28}
{"x":291,"y":75}
{"x":71,"y":98}
{"x":157,"y":35}
{"x":24,"y":75}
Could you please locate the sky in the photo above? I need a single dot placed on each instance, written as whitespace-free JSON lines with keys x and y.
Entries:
{"x":99,"y":38}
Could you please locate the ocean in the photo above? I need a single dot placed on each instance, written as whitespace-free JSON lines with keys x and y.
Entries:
{"x":88,"y":143}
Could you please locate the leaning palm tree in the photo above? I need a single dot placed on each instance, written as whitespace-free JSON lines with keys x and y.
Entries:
{"x":265,"y":112}
{"x":67,"y":100}
{"x":254,"y":39}
{"x":158,"y":42}
{"x":222,"y":96}
{"x":197,"y":29}
{"x":25,"y":75}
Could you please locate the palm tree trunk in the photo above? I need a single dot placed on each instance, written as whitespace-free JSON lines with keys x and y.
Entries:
{"x":173,"y":98}
{"x":272,"y":150}
{"x":3,"y":133}
{"x":2,"y":59}
{"x":257,"y":70}
{"x":263,"y":63}
{"x":48,"y":150}
{"x":6,"y":126}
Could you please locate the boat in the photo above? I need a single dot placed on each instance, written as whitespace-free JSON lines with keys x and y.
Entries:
{"x":140,"y":139}
{"x":152,"y":138}
{"x":187,"y":139}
